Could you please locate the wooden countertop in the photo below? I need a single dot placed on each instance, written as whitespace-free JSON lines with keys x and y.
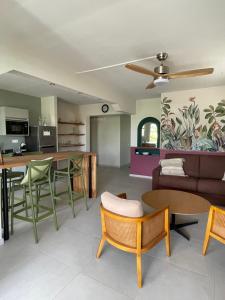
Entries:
{"x":18,"y":161}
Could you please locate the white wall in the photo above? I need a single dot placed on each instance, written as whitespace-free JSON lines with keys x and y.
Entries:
{"x":84,"y":114}
{"x":144,"y":108}
{"x":125,"y":122}
{"x":105,"y":139}
{"x":49,"y":110}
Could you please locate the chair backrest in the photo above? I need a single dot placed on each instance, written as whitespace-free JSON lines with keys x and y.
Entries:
{"x":133,"y":234}
{"x":38,"y":170}
{"x":217,"y":224}
{"x":75,"y":163}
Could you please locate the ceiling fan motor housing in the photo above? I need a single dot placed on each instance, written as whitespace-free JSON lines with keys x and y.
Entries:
{"x":161,"y":69}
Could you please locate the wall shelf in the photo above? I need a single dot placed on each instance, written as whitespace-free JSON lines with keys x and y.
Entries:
{"x":77,"y":134}
{"x":71,"y":123}
{"x":71,"y":145}
{"x":70,"y":139}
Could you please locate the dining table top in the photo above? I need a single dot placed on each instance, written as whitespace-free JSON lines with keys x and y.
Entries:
{"x":23,"y":160}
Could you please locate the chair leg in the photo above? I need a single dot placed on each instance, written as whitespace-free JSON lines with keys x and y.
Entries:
{"x":25,"y":200}
{"x":71,"y":196}
{"x":100,"y":247}
{"x":53,"y":206}
{"x":54,"y":187}
{"x":12,"y":209}
{"x":207,"y":232}
{"x":205,"y":244}
{"x":167,"y":242}
{"x":33,"y":217}
{"x":84,"y":191}
{"x":139,"y":270}
{"x":37,"y":200}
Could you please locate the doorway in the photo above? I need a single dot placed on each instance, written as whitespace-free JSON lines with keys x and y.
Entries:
{"x":110,"y":139}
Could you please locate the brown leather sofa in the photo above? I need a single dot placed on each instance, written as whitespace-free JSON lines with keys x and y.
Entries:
{"x":204,"y":177}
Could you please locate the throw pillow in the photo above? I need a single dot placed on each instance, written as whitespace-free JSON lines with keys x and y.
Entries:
{"x":35,"y":174}
{"x":174,"y":171}
{"x":173,"y":162}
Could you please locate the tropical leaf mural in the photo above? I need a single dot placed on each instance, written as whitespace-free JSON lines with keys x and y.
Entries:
{"x":184,"y":129}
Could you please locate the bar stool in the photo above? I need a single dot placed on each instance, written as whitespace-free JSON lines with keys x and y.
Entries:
{"x":11,"y":176}
{"x":37,"y":179}
{"x":74,"y":169}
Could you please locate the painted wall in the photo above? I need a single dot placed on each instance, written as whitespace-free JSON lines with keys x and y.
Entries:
{"x":144,"y":108}
{"x":33,"y":104}
{"x":84,"y":114}
{"x":105,"y":139}
{"x":49,"y":110}
{"x":194,"y":119}
{"x":125,"y":126}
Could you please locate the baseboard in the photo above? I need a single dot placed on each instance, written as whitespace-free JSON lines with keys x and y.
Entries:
{"x":140,"y":176}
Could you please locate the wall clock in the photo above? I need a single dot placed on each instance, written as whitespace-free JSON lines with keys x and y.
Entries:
{"x":105,"y":108}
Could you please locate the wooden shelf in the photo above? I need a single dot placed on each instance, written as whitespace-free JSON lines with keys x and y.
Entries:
{"x":71,"y":123}
{"x":71,"y":145}
{"x":77,"y":134}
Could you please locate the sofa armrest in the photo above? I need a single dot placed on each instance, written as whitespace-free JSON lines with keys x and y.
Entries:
{"x":155,"y":177}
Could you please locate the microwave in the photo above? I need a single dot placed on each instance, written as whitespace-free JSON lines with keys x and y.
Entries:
{"x":17,"y":127}
{"x":14,"y":121}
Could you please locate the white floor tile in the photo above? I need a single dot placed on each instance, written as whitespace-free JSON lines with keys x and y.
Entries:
{"x":82,"y":288}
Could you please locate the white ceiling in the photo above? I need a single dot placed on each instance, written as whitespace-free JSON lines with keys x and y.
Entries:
{"x":24,"y":84}
{"x":84,"y":34}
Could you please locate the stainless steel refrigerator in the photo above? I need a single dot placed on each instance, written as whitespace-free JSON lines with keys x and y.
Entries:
{"x":41,"y":138}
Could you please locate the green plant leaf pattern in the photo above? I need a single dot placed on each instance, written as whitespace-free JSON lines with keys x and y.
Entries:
{"x":188,"y":128}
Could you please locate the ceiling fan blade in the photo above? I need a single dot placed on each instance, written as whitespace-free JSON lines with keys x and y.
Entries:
{"x":150,"y":85}
{"x":141,"y":70}
{"x":190,"y":73}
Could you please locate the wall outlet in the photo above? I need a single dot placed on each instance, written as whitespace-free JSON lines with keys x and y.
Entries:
{"x":15,"y":141}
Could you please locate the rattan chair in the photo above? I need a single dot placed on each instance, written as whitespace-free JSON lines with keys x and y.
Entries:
{"x":135,"y":235}
{"x":215,"y":227}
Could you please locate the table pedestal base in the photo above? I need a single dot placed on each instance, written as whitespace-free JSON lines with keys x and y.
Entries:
{"x":176,"y":227}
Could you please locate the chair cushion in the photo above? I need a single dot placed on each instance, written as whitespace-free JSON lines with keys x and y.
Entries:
{"x":211,"y":186}
{"x":178,"y":182}
{"x":212,"y":167}
{"x":191,"y":163}
{"x":34,"y":173}
{"x":123,"y":207}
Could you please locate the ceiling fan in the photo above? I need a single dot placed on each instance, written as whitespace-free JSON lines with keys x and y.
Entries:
{"x":161,"y":73}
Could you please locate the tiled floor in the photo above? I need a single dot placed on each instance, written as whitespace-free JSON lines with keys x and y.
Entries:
{"x":63,"y":264}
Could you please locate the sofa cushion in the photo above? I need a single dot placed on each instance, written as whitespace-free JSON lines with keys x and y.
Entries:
{"x":178,"y":182}
{"x":123,"y":207}
{"x":211,"y":186}
{"x":191,"y":163}
{"x":212,"y":167}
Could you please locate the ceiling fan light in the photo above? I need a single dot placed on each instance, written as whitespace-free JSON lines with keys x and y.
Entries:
{"x":161,"y":81}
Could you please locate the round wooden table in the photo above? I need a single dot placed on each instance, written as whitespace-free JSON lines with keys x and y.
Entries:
{"x":179,"y":203}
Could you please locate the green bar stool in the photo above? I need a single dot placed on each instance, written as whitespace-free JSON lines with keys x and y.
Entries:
{"x":36,"y":180}
{"x":11,"y":177}
{"x":74,"y":169}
